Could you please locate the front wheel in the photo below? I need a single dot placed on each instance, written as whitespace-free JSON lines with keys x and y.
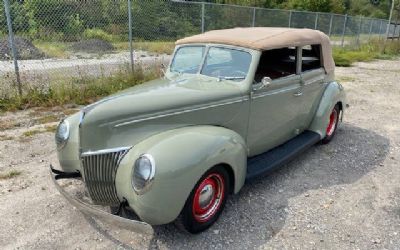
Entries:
{"x":332,"y":125}
{"x":206,"y":201}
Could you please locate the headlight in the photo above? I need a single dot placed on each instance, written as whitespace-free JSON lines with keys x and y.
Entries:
{"x":143,"y":173}
{"x":62,"y":134}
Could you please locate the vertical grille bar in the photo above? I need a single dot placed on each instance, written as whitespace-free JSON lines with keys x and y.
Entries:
{"x":100,"y":168}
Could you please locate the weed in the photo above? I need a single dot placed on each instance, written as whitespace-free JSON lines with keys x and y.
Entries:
{"x":51,"y":128}
{"x":10,"y":174}
{"x":32,"y":132}
{"x":4,"y":125}
{"x":6,"y":138}
{"x":346,"y":79}
{"x":48,"y":119}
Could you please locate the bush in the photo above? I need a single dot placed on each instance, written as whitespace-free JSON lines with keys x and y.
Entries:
{"x":97,"y":34}
{"x":345,"y":57}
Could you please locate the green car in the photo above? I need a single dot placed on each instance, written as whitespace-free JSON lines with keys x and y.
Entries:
{"x":233,"y":105}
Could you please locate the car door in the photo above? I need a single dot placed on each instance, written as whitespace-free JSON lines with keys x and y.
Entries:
{"x":274,"y":108}
{"x":313,"y":82}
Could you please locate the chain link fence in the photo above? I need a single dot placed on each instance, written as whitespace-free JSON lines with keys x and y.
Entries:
{"x":63,"y":41}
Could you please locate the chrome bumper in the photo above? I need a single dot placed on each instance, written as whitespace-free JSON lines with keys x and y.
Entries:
{"x":92,"y":211}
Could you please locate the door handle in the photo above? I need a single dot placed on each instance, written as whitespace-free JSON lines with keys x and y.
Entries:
{"x":298,"y":93}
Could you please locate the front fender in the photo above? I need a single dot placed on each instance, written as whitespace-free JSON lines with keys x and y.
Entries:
{"x":334,"y":93}
{"x":181,"y":157}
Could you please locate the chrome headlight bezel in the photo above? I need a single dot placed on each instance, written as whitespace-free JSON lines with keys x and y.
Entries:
{"x":141,"y":182}
{"x":62,"y":134}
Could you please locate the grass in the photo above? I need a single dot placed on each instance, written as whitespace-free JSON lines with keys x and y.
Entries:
{"x":80,"y":91}
{"x":345,"y":57}
{"x":63,"y":50}
{"x":158,"y":47}
{"x":53,"y":49}
{"x":10,"y":174}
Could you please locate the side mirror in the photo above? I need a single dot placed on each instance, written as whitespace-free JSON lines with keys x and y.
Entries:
{"x":265,"y":82}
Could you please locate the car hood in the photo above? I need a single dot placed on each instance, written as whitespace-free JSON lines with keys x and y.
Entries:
{"x":156,"y":106}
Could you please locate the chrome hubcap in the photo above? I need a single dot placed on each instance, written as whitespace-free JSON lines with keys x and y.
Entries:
{"x":206,"y":195}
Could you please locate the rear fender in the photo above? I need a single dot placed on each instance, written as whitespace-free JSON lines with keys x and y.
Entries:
{"x":334,"y":93}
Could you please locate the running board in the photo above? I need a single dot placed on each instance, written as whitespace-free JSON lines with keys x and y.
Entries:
{"x":261,"y":164}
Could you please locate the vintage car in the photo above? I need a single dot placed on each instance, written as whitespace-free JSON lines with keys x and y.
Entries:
{"x":233,"y":105}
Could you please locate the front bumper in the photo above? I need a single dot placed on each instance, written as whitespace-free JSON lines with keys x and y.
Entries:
{"x":92,"y":211}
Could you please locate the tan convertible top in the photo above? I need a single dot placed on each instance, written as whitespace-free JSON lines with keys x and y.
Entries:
{"x":265,"y":38}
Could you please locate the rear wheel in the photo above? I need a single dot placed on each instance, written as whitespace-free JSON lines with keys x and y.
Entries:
{"x":332,"y":125}
{"x":206,"y":201}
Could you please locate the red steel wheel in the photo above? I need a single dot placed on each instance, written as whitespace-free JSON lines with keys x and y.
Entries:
{"x":206,"y":201}
{"x":332,"y":124}
{"x":208,"y":197}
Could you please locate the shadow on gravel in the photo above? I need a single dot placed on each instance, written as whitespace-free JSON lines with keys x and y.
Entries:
{"x":259,"y":211}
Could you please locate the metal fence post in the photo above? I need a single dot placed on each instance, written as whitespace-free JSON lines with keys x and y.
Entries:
{"x":380,"y":29}
{"x":388,"y":25}
{"x":12,"y":45}
{"x":254,"y":18}
{"x":316,"y":20}
{"x":330,"y":25}
{"x":290,"y":18}
{"x":130,"y":35}
{"x":202,"y":17}
{"x":359,"y":31}
{"x":370,"y":28}
{"x":344,"y":29}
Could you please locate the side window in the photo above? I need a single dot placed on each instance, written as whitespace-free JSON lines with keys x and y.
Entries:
{"x":311,"y":57}
{"x":276,"y":63}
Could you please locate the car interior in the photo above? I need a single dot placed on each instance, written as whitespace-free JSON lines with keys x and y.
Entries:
{"x":276,"y":63}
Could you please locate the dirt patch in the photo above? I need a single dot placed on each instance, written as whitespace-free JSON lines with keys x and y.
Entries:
{"x":92,"y":46}
{"x":25,"y":50}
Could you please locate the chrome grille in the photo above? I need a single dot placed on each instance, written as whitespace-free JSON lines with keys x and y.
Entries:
{"x":99,"y":170}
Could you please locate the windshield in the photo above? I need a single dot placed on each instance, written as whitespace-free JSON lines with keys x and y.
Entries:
{"x":223,"y":63}
{"x":188,"y":59}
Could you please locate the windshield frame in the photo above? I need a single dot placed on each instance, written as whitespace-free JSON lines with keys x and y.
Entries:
{"x":203,"y":60}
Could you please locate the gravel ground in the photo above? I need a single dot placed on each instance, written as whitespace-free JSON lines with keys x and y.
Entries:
{"x":345,"y":195}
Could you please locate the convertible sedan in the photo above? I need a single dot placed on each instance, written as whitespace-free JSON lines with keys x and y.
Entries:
{"x":233,"y":105}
